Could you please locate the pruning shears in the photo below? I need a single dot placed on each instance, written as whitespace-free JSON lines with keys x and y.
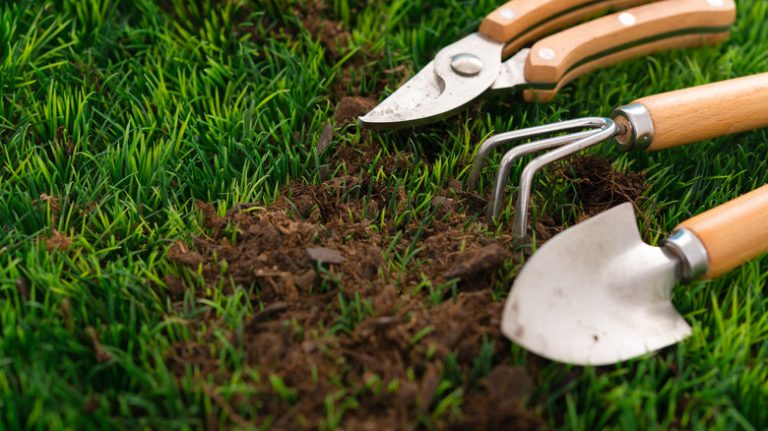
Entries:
{"x":475,"y":65}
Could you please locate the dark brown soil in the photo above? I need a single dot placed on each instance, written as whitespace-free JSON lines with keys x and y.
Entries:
{"x":341,"y":320}
{"x":349,"y":108}
{"x":332,"y":33}
{"x":599,"y":186}
{"x":57,"y":241}
{"x":317,"y":19}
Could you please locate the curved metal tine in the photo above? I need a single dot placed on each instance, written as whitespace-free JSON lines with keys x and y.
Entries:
{"x":516,"y":135}
{"x":513,"y":155}
{"x":520,"y":222}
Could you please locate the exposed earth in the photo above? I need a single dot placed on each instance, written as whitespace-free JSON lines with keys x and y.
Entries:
{"x":341,"y":317}
{"x":363,"y":314}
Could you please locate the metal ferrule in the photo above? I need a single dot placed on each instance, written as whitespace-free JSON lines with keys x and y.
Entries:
{"x":636,"y":127}
{"x":686,"y":246}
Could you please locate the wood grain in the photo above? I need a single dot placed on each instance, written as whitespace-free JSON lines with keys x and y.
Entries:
{"x":520,"y":40}
{"x":708,"y":111}
{"x":501,"y":27}
{"x":635,"y":52}
{"x":733,"y":233}
{"x":534,"y":19}
{"x":578,"y":50}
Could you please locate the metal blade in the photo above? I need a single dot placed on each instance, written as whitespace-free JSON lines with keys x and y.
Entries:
{"x":459,"y":74}
{"x":512,"y":72}
{"x":596,"y":294}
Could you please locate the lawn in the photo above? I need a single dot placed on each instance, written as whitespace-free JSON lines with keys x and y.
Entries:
{"x":195,"y":233}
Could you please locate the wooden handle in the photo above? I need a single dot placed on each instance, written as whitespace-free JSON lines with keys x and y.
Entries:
{"x":520,"y":22}
{"x":708,"y":111}
{"x":733,"y":233}
{"x":556,"y":60}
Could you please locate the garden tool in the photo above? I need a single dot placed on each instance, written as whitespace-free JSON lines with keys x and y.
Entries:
{"x":652,"y":123}
{"x":473,"y":66}
{"x":596,"y":294}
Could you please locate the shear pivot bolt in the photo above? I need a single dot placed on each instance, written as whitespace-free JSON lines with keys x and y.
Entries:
{"x":507,"y":13}
{"x":547,"y":53}
{"x":466,"y":64}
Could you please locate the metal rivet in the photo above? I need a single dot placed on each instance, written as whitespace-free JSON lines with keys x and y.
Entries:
{"x":466,"y":64}
{"x":507,"y":13}
{"x":716,"y":3}
{"x":547,"y":53}
{"x":627,"y":19}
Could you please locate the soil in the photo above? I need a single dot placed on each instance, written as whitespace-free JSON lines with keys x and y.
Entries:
{"x":599,"y":186}
{"x":342,"y":325}
{"x":349,"y":108}
{"x":335,"y":313}
{"x":337,"y":320}
{"x":316,"y":17}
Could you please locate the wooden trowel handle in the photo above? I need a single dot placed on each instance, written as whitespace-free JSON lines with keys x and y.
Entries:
{"x":708,"y":111}
{"x":733,"y":233}
{"x":520,"y":22}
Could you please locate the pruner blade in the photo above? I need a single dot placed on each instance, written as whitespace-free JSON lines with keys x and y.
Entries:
{"x":459,"y":74}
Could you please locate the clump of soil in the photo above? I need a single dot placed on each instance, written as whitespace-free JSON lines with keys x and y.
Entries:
{"x":342,"y":322}
{"x":599,"y":186}
{"x":349,"y":108}
{"x":314,"y":18}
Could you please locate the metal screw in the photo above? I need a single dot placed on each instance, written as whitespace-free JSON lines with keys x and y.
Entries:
{"x":466,"y":64}
{"x":547,"y":53}
{"x":508,"y":14}
{"x":627,"y":19}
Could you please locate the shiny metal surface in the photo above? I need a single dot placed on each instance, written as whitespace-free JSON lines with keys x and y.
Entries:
{"x":439,"y":90}
{"x":516,"y":153}
{"x":466,"y":64}
{"x":500,"y":139}
{"x":512,"y":72}
{"x":520,"y":223}
{"x":694,"y":259}
{"x":640,"y":133}
{"x":595,"y":294}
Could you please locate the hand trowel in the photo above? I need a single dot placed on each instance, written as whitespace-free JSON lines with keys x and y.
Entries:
{"x":596,"y":294}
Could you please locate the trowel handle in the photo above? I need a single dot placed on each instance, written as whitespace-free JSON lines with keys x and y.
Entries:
{"x":708,"y":111}
{"x":733,"y":233}
{"x":521,"y":22}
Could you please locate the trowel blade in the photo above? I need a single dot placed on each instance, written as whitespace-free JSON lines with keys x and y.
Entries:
{"x":596,"y":294}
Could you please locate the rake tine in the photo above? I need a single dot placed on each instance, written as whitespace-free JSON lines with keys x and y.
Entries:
{"x":513,"y":155}
{"x":532,"y":132}
{"x":520,"y":223}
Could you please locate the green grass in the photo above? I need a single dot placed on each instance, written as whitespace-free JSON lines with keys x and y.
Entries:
{"x":116,"y":116}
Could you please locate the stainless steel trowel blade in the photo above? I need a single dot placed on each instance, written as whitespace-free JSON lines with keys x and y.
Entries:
{"x":596,"y":294}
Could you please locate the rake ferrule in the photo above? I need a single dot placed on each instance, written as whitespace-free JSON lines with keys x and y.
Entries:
{"x":635,"y":127}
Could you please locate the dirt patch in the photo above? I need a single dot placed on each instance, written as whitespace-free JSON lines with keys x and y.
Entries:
{"x":57,"y":241}
{"x":360,"y":324}
{"x":599,"y":186}
{"x":349,"y":108}
{"x":334,"y":36}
